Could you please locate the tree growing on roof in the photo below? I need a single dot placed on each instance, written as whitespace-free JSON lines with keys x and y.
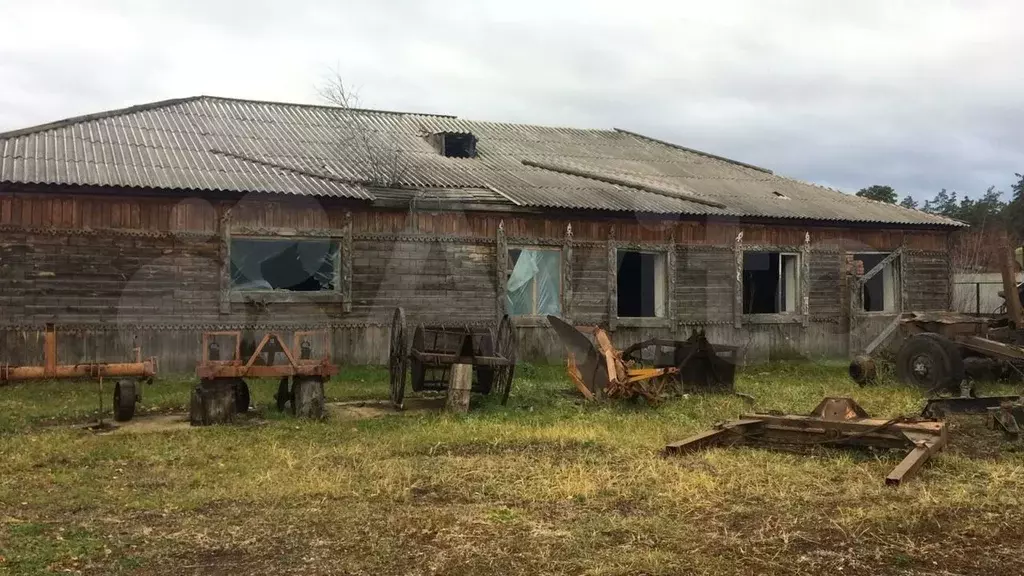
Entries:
{"x":379,"y":151}
{"x":877,"y":192}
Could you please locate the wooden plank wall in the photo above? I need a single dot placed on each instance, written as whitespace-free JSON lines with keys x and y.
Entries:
{"x":130,"y":264}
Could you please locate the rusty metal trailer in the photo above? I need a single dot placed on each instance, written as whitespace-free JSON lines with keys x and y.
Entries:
{"x":130,"y":375}
{"x":222,"y":391}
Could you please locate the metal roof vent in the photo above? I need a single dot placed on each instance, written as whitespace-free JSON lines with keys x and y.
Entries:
{"x":454,"y":144}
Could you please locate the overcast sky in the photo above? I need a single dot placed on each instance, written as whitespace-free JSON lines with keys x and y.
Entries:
{"x":920,"y":95}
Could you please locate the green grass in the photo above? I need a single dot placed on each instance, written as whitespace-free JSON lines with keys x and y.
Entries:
{"x":546,"y":485}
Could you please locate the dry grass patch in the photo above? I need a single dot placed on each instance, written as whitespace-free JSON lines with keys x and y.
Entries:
{"x":546,"y":485}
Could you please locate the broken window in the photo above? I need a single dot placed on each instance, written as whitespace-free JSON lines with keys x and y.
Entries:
{"x":305,"y":265}
{"x":880,"y":290}
{"x":770,"y":282}
{"x":642,"y":284}
{"x":535,"y":282}
{"x":454,"y":144}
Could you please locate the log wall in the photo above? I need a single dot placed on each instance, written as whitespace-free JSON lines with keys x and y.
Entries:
{"x":116,"y":270}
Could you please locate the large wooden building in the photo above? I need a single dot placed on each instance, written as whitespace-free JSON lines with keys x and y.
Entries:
{"x":151,"y":224}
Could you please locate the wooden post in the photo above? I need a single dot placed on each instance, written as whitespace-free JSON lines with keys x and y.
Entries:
{"x":460,"y":382}
{"x":1008,"y":264}
{"x":501,"y":269}
{"x":213,"y":402}
{"x":225,"y":260}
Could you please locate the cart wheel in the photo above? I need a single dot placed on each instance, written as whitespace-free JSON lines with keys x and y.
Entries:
{"x":930,"y":361}
{"x":485,"y":374}
{"x":398,"y":358}
{"x":242,"y":398}
{"x":124,"y":400}
{"x":506,"y":346}
{"x":417,"y":370}
{"x":283,"y":395}
{"x":308,"y":397}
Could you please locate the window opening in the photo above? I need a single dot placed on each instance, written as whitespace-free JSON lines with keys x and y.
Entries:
{"x":283,"y":264}
{"x":642,"y":284}
{"x":770,"y":282}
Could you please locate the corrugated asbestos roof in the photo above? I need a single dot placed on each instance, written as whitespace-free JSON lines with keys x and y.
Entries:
{"x":217,"y":144}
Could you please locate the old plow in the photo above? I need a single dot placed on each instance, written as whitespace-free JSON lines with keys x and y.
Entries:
{"x":650,"y":369}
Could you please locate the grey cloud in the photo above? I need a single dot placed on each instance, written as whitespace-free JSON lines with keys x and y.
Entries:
{"x":918,"y":94}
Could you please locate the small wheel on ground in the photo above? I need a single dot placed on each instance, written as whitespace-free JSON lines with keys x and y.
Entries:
{"x":308,"y":397}
{"x":242,"y":398}
{"x":284,"y":394}
{"x":125,"y":396}
{"x":931,"y":362}
{"x":862,"y":370}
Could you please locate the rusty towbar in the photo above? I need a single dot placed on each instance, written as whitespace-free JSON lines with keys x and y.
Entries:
{"x":127,"y":391}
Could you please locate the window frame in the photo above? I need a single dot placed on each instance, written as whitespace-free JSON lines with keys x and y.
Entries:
{"x":510,"y":268}
{"x":652,"y":321}
{"x":894,"y":267}
{"x":237,"y":295}
{"x":799,"y":313}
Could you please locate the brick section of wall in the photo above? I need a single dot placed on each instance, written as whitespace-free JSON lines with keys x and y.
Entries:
{"x":705,"y":282}
{"x":826,"y":298}
{"x":433,"y":281}
{"x":927,"y":281}
{"x":589,"y":284}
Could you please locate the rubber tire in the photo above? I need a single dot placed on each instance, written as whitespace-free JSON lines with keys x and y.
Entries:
{"x":283,"y":396}
{"x":124,"y":400}
{"x":242,"y":397}
{"x":958,"y":370}
{"x":945,"y":359}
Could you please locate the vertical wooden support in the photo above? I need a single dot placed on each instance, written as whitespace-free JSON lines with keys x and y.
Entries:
{"x":950,"y":246}
{"x":346,"y":265}
{"x":901,"y":281}
{"x":225,"y":259}
{"x":613,"y":282}
{"x":567,"y":273}
{"x":670,"y":271}
{"x":460,"y":383}
{"x":805,"y":281}
{"x":501,"y":270}
{"x":1007,"y":267}
{"x":737,"y":304}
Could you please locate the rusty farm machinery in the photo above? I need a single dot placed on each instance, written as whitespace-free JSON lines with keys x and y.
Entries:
{"x":435,"y":349}
{"x":222,"y":391}
{"x":943,"y":354}
{"x":129,"y":375}
{"x":650,"y":369}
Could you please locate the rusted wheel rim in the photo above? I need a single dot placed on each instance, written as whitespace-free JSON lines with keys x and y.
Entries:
{"x":505,"y":346}
{"x":397,"y":359}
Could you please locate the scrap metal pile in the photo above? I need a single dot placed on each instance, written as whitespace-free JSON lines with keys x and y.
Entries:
{"x":834,"y":422}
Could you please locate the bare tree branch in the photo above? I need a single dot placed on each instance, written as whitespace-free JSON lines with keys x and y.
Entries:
{"x":385,"y":164}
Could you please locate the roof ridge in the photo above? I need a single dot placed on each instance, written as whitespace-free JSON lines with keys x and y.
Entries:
{"x":326,"y":106}
{"x":695,"y":151}
{"x":96,"y":116}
